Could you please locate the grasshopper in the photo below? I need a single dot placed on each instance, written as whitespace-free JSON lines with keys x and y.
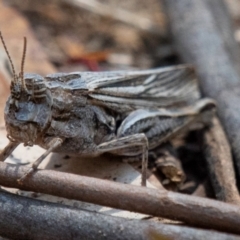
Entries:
{"x":125,"y":113}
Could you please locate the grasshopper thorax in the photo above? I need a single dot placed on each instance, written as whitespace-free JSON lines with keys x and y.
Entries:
{"x":36,"y":87}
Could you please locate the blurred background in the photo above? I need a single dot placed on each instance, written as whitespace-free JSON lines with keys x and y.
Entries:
{"x":93,"y":35}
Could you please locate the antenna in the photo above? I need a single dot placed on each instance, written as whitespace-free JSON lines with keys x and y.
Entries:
{"x":5,"y":47}
{"x":22,"y":63}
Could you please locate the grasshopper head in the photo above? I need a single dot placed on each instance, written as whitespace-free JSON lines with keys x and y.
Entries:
{"x":27,"y":116}
{"x":28,"y":108}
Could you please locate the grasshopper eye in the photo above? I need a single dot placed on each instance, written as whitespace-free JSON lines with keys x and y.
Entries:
{"x":15,"y":90}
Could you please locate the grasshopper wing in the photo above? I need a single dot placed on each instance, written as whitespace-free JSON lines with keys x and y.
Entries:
{"x":157,"y":88}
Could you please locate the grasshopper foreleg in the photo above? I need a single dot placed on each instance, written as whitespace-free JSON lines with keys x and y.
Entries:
{"x":53,"y":144}
{"x":8,"y":150}
{"x":127,"y":144}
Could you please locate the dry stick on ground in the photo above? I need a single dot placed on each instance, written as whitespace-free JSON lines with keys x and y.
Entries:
{"x":219,"y":159}
{"x":199,"y":40}
{"x":225,"y":27}
{"x":24,"y":218}
{"x":191,"y":210}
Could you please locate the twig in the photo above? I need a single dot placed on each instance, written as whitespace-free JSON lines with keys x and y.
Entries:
{"x":141,"y":23}
{"x":192,"y":210}
{"x":25,"y":218}
{"x":220,"y":164}
{"x":199,"y":40}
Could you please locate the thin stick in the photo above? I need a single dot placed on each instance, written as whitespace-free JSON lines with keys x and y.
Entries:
{"x":220,"y":164}
{"x":192,"y":210}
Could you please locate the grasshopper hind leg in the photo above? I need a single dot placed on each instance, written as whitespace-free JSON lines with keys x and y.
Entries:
{"x":129,"y":145}
{"x":150,"y":128}
{"x":162,"y":125}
